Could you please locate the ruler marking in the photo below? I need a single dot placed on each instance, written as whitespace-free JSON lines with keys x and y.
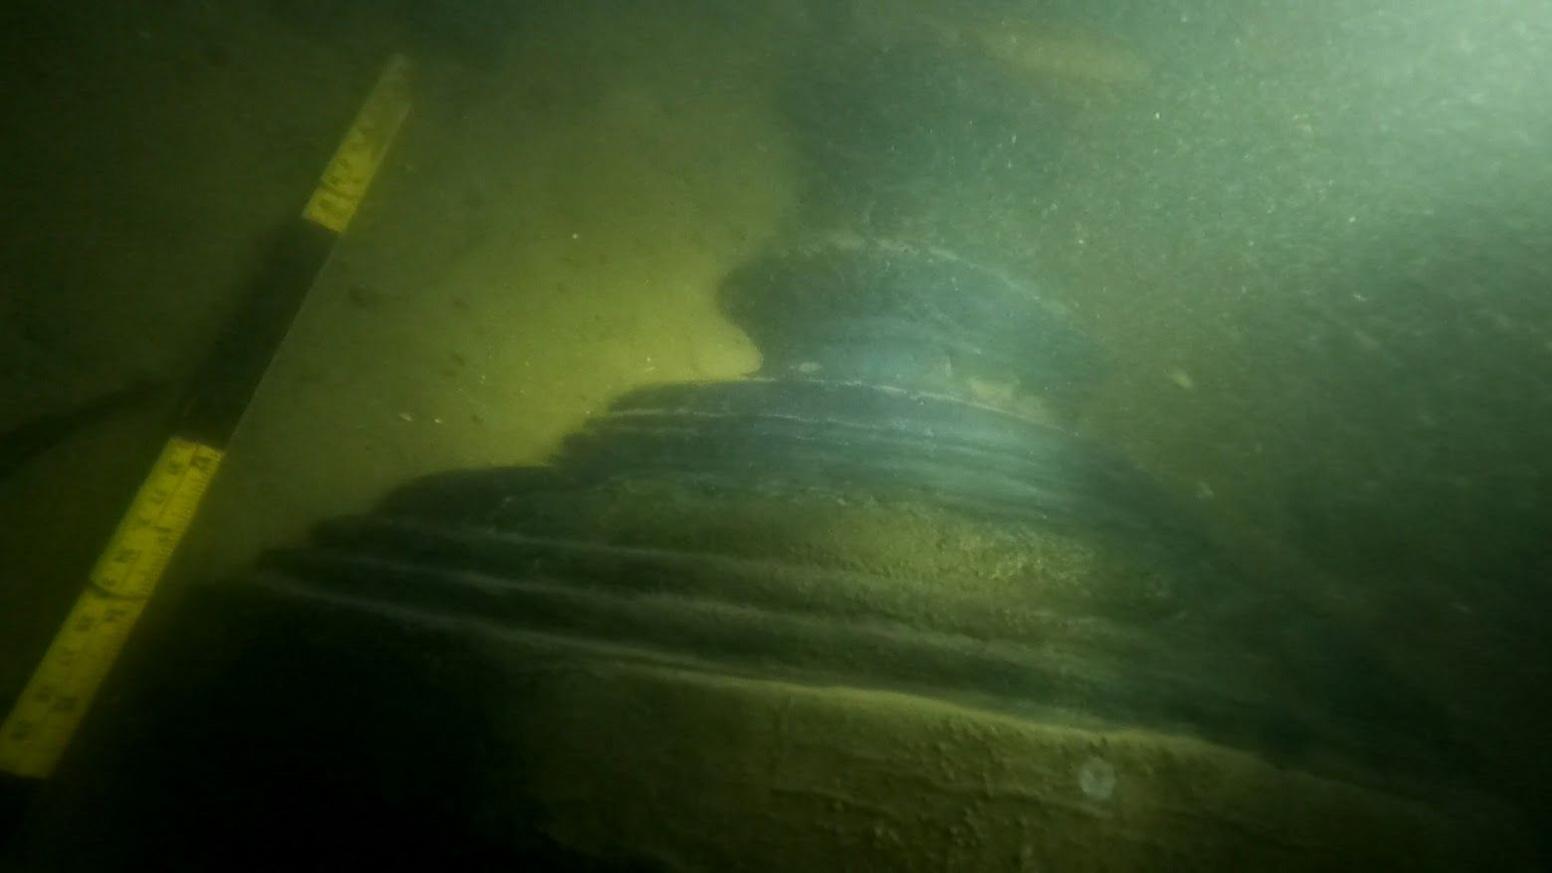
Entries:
{"x":78,"y":660}
{"x":349,"y":174}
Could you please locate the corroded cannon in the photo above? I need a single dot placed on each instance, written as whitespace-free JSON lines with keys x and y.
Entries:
{"x":874,"y":607}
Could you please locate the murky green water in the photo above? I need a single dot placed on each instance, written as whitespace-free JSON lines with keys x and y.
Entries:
{"x":1309,"y":244}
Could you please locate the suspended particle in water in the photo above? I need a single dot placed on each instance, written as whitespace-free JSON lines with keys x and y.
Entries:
{"x":1096,"y":779}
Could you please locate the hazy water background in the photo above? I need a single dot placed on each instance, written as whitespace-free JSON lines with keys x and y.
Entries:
{"x":1312,"y":241}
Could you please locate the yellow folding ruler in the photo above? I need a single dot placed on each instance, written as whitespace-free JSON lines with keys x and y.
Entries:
{"x":45,"y":717}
